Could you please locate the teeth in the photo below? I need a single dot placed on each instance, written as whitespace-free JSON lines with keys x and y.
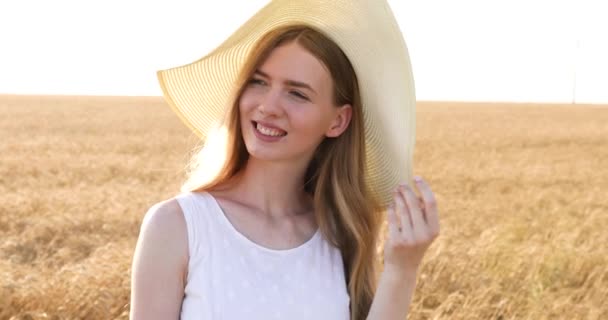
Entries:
{"x":268,"y":131}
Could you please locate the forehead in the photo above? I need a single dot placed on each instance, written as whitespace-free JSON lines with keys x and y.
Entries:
{"x":292,"y":62}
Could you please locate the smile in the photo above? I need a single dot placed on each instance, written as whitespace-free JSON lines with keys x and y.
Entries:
{"x":271,"y":132}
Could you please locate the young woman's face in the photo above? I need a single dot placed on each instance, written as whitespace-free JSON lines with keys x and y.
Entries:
{"x":287,"y":106}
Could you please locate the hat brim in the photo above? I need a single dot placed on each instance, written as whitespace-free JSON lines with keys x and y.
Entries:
{"x":367,"y":32}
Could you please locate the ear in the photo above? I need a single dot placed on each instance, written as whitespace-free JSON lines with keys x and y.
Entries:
{"x":341,"y":121}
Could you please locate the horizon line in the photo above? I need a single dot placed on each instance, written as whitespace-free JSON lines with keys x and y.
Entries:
{"x":44,"y":95}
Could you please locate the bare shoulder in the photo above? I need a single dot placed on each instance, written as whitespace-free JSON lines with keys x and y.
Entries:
{"x":160,"y":262}
{"x":163,"y":233}
{"x":165,"y":214}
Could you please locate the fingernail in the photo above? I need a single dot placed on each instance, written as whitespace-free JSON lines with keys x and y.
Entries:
{"x":418,"y":179}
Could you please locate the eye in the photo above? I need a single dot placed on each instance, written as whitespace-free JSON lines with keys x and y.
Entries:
{"x":298,"y":95}
{"x":256,"y":81}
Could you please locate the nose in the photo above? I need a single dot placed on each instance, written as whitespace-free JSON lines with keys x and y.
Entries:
{"x":270,"y":104}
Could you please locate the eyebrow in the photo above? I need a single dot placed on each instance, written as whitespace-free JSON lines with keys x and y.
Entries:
{"x":292,"y":83}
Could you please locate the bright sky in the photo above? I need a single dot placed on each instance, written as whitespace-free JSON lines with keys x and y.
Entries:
{"x":468,"y":50}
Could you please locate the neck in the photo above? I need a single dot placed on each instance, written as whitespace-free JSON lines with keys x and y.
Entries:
{"x":276,"y":188}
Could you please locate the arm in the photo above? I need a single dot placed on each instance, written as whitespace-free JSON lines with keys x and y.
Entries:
{"x":160,"y":264}
{"x":413,"y":224}
{"x":393,"y":297}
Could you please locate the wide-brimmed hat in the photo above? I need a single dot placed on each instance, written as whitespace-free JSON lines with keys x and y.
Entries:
{"x":367,"y":32}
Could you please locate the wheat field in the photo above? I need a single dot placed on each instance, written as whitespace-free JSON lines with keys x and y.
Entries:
{"x":522,"y":193}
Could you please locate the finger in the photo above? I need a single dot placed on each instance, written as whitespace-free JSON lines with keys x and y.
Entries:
{"x":421,"y":203}
{"x":430,"y":204}
{"x":418,"y":224}
{"x":421,"y":206}
{"x":402,"y":213}
{"x":394,"y":224}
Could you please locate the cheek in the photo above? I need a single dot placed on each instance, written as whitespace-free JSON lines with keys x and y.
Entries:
{"x":245,"y":103}
{"x":310,"y":123}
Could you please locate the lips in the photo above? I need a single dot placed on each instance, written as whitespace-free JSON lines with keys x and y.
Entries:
{"x":268,"y":129}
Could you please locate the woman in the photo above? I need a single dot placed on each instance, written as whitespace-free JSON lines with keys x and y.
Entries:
{"x":287,"y":227}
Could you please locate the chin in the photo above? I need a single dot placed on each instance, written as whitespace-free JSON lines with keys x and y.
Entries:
{"x":261,"y":153}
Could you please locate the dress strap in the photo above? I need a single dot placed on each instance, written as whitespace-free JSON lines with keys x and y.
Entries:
{"x":199,"y":217}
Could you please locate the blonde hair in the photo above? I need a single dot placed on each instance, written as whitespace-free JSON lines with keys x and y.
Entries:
{"x":345,"y":209}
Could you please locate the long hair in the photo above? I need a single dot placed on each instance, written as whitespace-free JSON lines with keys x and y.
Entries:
{"x":345,"y":209}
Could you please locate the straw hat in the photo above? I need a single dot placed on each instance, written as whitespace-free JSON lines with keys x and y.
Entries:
{"x":365,"y":30}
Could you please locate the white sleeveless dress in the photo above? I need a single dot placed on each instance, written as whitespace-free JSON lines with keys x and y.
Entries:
{"x":230,"y":277}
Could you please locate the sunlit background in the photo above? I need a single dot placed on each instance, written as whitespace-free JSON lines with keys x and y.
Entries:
{"x":521,"y":188}
{"x":466,"y":50}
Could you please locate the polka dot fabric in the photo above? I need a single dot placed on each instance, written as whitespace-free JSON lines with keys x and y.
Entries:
{"x":230,"y":277}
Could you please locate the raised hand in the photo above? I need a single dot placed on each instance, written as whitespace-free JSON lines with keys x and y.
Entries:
{"x":413,"y":224}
